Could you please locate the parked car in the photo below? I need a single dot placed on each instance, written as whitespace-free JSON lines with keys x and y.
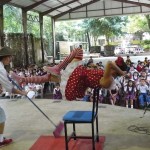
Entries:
{"x":133,"y":49}
{"x":118,"y":50}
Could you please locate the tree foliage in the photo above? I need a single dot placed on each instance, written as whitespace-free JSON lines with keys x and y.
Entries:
{"x":69,"y":30}
{"x":13,"y":22}
{"x":108,"y":26}
{"x":12,"y":19}
{"x":148,"y":20}
{"x":136,"y":23}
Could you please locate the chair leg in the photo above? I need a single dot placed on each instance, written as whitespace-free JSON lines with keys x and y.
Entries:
{"x":93,"y":137}
{"x":74,"y":131}
{"x":66,"y":139}
{"x":97,"y":132}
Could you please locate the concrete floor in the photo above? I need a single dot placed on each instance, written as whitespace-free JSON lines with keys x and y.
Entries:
{"x":25,"y":123}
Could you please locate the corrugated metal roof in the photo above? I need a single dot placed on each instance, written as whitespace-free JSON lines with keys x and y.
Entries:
{"x":78,"y":9}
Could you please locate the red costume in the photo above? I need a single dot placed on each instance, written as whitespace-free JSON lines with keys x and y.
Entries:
{"x":139,"y":68}
{"x":80,"y":79}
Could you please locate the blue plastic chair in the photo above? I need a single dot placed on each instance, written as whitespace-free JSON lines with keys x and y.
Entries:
{"x":81,"y":117}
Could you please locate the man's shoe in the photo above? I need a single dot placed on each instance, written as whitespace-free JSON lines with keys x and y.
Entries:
{"x":5,"y":142}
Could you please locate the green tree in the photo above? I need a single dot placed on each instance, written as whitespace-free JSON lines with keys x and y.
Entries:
{"x":69,"y":30}
{"x":94,"y":28}
{"x":12,"y":19}
{"x":85,"y":25}
{"x":33,"y":25}
{"x":136,"y":23}
{"x":112,"y":26}
{"x":148,"y":20}
{"x":47,"y":33}
{"x":107,"y":26}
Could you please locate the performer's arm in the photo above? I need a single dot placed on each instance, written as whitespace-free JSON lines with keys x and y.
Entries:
{"x":111,"y":70}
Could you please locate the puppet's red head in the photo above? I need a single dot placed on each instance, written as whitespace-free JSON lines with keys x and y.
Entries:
{"x":119,"y":61}
{"x":121,"y":64}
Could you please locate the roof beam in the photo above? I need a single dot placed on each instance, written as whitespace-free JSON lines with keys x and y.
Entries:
{"x":132,"y":2}
{"x":70,"y":10}
{"x":3,"y":2}
{"x":53,"y":9}
{"x":34,"y":5}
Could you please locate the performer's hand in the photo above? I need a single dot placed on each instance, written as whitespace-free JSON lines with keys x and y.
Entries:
{"x":24,"y":93}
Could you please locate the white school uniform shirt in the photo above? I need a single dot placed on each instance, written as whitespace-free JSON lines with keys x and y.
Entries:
{"x":130,"y":89}
{"x":55,"y":89}
{"x":123,"y":81}
{"x":117,"y":80}
{"x":38,"y":86}
{"x":143,"y":88}
{"x":4,"y":80}
{"x":132,"y":71}
{"x":113,"y":85}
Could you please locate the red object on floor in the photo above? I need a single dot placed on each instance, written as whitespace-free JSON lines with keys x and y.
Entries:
{"x":6,"y":142}
{"x":52,"y":143}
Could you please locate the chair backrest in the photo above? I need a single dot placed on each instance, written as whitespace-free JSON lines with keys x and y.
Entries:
{"x":95,"y":103}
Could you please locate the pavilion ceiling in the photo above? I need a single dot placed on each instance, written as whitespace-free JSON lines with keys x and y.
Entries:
{"x":79,"y":9}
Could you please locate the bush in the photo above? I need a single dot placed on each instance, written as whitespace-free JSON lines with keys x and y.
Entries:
{"x":146,"y":42}
{"x":136,"y":42}
{"x":146,"y":45}
{"x":114,"y":43}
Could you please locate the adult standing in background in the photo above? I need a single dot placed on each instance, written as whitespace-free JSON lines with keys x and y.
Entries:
{"x":128,"y":61}
{"x":91,"y":60}
{"x":6,"y":55}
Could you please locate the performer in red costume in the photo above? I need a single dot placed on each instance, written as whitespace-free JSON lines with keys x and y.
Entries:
{"x":80,"y":78}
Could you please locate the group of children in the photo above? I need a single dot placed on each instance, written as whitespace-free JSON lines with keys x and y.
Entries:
{"x":38,"y":88}
{"x":132,"y":88}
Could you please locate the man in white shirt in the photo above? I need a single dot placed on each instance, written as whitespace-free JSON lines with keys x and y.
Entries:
{"x":6,"y":55}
